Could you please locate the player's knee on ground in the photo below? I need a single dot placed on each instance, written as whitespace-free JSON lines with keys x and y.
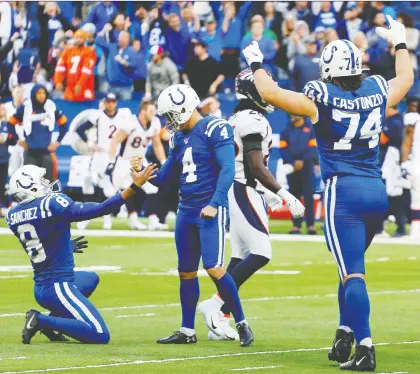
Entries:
{"x":97,"y":338}
{"x":185,"y":275}
{"x":216,"y":273}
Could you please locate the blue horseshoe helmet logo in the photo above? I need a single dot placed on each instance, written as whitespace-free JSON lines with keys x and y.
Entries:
{"x":31,"y":183}
{"x":333,"y":49}
{"x":178,"y":102}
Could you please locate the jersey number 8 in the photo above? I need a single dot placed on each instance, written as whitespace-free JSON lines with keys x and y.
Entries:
{"x":31,"y":242}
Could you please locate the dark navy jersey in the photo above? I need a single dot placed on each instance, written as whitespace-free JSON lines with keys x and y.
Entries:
{"x":348,"y":127}
{"x":198,"y":157}
{"x":45,"y":235}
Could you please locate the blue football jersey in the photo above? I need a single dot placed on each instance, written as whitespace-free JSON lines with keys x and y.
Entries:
{"x":348,"y":126}
{"x":194,"y":156}
{"x":44,"y":232}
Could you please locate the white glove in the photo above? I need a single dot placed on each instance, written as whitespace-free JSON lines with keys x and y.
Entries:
{"x":252,"y":53}
{"x":395,"y":34}
{"x":294,"y":205}
{"x":273,"y":201}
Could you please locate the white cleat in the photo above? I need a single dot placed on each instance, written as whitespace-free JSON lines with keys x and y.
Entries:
{"x":383,"y":234}
{"x":229,"y":333}
{"x":123,"y":213}
{"x":83,"y":225}
{"x":155,"y":225}
{"x":210,"y":309}
{"x":107,"y":225}
{"x":135,"y":224}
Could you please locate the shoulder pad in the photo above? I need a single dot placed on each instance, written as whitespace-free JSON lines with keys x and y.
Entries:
{"x":213,"y":124}
{"x":317,"y":91}
{"x":54,"y":204}
{"x":381,"y":83}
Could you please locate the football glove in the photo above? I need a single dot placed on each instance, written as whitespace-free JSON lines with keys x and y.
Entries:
{"x":252,"y":53}
{"x":395,"y":34}
{"x":78,"y":244}
{"x":294,"y":205}
{"x":273,"y":201}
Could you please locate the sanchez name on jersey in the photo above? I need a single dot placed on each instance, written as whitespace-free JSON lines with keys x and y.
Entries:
{"x":348,"y":126}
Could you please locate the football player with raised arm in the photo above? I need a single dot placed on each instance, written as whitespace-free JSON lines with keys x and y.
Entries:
{"x":254,"y":187}
{"x":41,"y":221}
{"x":202,"y":158}
{"x":347,"y":110}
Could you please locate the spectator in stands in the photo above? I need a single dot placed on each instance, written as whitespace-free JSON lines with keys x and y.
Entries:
{"x":77,"y":77}
{"x":298,"y":149}
{"x":140,"y":26}
{"x":305,"y":68}
{"x":140,"y":70}
{"x":329,"y":36}
{"x":90,"y":30}
{"x":267,"y":46}
{"x":59,"y":45}
{"x":119,"y":23}
{"x":301,"y":12}
{"x":372,"y":37}
{"x":203,"y":72}
{"x":348,"y":27}
{"x":38,"y":116}
{"x":211,"y":35}
{"x":295,"y":43}
{"x":4,"y":67}
{"x":178,"y":41}
{"x":155,"y":28}
{"x":4,"y":156}
{"x":211,"y":107}
{"x":360,"y":41}
{"x":327,"y":16}
{"x":273,"y":20}
{"x":120,"y":64}
{"x":413,"y":36}
{"x":25,"y":70}
{"x":6,"y":24}
{"x":50,"y":20}
{"x":101,"y":14}
{"x":385,"y":9}
{"x":190,"y":19}
{"x":269,"y":34}
{"x":232,"y":31}
{"x":287,"y":27}
{"x":162,"y":73}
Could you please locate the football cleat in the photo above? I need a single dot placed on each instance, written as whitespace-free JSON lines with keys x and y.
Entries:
{"x":53,"y":335}
{"x":246,"y":336}
{"x":30,"y":327}
{"x":363,"y":360}
{"x":210,"y":310}
{"x":82,"y":225}
{"x":135,"y":224}
{"x":228,"y":332}
{"x":311,"y":230}
{"x":295,"y":231}
{"x":178,"y":337}
{"x":107,"y":225}
{"x":342,"y":345}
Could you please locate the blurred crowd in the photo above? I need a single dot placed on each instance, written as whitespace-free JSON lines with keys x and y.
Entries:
{"x":82,"y":51}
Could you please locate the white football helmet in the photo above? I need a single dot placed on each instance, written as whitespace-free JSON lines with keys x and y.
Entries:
{"x":340,"y":58}
{"x":28,"y":183}
{"x":177,"y":103}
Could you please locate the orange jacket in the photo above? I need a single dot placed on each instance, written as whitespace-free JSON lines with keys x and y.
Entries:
{"x":76,"y":66}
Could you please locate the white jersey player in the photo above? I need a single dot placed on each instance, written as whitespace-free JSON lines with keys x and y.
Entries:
{"x":95,"y":131}
{"x":411,"y":162}
{"x":16,"y":151}
{"x":252,"y":188}
{"x":134,"y":137}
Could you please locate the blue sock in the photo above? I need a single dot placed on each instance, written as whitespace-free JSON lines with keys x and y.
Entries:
{"x":243,"y":271}
{"x":77,"y":330}
{"x":229,"y":293}
{"x":189,"y":293}
{"x":358,"y":308}
{"x":344,"y":320}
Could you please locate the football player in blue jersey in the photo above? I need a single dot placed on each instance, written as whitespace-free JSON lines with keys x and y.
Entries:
{"x":41,"y":221}
{"x":347,"y":110}
{"x":202,"y":158}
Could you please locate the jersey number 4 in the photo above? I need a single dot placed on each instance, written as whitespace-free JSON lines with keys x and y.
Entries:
{"x":188,"y":166}
{"x":370,"y":129}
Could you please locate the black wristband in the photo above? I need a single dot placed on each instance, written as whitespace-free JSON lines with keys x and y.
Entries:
{"x":256,"y":66}
{"x":400,"y":46}
{"x":134,"y":187}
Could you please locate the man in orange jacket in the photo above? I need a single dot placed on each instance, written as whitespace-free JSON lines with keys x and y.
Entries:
{"x":76,"y":66}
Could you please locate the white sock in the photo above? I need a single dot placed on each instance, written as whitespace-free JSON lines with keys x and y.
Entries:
{"x":187,"y":331}
{"x":218,"y":300}
{"x":367,"y":342}
{"x":345,"y":328}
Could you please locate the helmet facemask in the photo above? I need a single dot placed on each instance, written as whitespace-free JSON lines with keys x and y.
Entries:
{"x":173,"y":121}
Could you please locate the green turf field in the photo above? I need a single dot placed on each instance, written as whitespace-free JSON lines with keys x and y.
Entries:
{"x":293,"y":315}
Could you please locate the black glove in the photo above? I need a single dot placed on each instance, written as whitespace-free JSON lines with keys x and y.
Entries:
{"x":78,"y":244}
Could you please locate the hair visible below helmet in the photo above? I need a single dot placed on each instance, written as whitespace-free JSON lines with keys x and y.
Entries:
{"x":245,"y":89}
{"x":340,"y":58}
{"x":177,"y":103}
{"x":28,"y":183}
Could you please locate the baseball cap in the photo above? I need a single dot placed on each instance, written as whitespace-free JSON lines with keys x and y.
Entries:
{"x":89,"y":27}
{"x":110,"y":97}
{"x":156,"y":50}
{"x":210,"y":19}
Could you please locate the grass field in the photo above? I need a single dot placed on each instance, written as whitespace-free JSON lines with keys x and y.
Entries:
{"x":293,"y":313}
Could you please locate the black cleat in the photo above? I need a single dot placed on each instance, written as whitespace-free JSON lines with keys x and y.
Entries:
{"x":342,"y":346}
{"x":295,"y":231}
{"x":246,"y":336}
{"x":312,"y":230}
{"x":31,"y":326}
{"x":178,"y":337}
{"x":53,"y":335}
{"x":363,"y":360}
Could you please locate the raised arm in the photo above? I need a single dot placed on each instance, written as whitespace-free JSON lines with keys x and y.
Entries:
{"x":289,"y":101}
{"x":401,"y":84}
